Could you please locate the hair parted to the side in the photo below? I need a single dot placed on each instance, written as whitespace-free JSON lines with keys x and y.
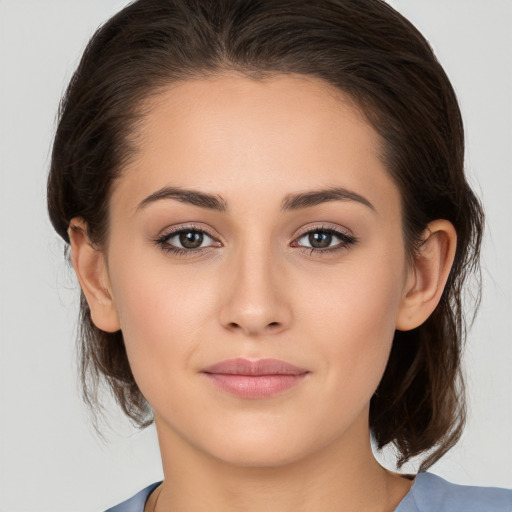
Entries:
{"x":368,"y":51}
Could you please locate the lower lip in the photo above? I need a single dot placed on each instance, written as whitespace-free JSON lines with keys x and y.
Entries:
{"x":254,"y":386}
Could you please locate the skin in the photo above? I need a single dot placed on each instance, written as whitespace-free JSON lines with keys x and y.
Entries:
{"x":255,"y":290}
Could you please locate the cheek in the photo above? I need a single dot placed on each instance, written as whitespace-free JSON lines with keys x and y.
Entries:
{"x":162,"y":314}
{"x":352,"y":316}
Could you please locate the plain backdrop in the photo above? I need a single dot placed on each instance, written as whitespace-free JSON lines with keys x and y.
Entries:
{"x":50,"y":457}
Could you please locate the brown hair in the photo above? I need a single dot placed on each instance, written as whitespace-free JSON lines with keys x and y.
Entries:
{"x":363,"y":47}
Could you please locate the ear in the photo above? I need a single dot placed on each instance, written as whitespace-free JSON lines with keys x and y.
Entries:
{"x":91,"y":269}
{"x":427,"y":275}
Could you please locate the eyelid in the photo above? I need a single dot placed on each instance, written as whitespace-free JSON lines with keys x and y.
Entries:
{"x":323,"y":227}
{"x":334,"y":229}
{"x":174,"y":230}
{"x":345,"y":236}
{"x":162,"y":240}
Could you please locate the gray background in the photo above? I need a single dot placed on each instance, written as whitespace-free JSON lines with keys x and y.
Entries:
{"x":50,"y":458}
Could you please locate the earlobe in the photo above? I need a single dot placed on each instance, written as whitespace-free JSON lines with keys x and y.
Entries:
{"x":91,"y":270}
{"x":428,"y":275}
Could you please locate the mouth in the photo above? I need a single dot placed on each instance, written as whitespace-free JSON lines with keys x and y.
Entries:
{"x":254,"y":379}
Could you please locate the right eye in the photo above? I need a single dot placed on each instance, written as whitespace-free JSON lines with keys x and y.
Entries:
{"x":186,"y":241}
{"x":190,"y":239}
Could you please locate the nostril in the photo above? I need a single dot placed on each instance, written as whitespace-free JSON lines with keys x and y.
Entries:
{"x":271,"y":325}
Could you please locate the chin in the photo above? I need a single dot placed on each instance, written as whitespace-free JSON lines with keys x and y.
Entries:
{"x":261,"y":449}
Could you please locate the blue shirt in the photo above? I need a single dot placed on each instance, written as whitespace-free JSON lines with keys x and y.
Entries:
{"x":429,"y":493}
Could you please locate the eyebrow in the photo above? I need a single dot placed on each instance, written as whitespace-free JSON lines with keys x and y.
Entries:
{"x":314,"y":198}
{"x":291,"y":202}
{"x":194,"y":197}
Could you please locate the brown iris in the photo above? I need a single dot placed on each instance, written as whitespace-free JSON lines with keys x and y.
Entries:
{"x":191,"y":239}
{"x":320,"y":239}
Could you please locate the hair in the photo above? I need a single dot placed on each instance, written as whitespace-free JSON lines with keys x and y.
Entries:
{"x":369,"y":52}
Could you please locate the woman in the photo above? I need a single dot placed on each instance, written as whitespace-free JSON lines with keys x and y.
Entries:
{"x":269,"y":219}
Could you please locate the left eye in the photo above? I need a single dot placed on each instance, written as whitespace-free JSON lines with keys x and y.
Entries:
{"x":323,"y":239}
{"x":189,"y":239}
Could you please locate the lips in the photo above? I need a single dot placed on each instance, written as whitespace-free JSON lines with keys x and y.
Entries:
{"x":241,"y":366}
{"x":254,"y":379}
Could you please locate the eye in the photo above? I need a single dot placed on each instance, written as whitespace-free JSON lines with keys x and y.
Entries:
{"x":186,"y":240}
{"x":324,"y":240}
{"x":190,"y":239}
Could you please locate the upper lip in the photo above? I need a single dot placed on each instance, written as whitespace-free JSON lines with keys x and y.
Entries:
{"x":241,"y":366}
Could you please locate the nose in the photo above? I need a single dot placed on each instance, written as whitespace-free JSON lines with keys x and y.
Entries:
{"x":255,"y":300}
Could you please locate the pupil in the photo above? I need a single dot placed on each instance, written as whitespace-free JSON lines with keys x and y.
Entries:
{"x":320,"y":240}
{"x":191,"y":239}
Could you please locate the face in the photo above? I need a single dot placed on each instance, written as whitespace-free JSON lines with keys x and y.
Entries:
{"x":257,"y":222}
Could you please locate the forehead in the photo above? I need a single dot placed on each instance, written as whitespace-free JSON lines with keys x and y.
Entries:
{"x":274,"y":136}
{"x":284,"y":105}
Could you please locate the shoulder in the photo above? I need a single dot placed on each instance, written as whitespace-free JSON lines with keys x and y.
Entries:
{"x":135,"y":503}
{"x":431,"y":493}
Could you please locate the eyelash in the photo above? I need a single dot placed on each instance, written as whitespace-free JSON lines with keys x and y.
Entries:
{"x":163,"y":241}
{"x":346,"y":241}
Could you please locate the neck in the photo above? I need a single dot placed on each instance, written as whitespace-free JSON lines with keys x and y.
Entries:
{"x":344,"y":476}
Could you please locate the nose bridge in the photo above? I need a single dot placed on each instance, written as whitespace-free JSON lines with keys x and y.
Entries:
{"x":255,"y":302}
